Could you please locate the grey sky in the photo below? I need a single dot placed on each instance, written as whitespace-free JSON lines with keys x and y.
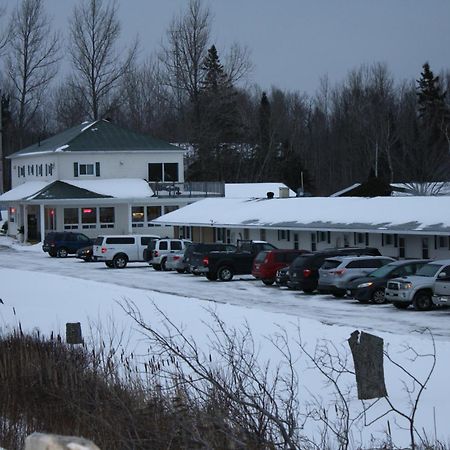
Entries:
{"x":294,"y":43}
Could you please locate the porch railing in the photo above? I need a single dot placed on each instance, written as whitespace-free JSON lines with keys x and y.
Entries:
{"x":188,"y":189}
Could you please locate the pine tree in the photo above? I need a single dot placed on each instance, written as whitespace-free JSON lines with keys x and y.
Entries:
{"x":264,"y":153}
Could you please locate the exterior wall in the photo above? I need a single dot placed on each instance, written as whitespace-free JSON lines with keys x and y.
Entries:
{"x":112,"y":165}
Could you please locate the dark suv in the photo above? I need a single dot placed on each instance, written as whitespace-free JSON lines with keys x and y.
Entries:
{"x":193,"y":257}
{"x":304,"y":271}
{"x":63,"y":243}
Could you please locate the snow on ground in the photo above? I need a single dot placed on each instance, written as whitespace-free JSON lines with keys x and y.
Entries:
{"x":44,"y":293}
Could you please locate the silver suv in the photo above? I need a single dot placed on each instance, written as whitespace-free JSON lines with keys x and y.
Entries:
{"x":336,"y":273}
{"x":417,"y":289}
{"x":158,"y":251}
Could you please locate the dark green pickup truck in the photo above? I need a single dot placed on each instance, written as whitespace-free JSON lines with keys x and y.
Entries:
{"x":224,"y":265}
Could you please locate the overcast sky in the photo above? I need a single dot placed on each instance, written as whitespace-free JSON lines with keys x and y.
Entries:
{"x":294,"y":43}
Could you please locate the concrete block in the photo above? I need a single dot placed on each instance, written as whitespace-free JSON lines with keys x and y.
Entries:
{"x":42,"y":441}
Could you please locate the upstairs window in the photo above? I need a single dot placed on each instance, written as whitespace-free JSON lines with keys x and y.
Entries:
{"x":163,"y":172}
{"x":86,"y":169}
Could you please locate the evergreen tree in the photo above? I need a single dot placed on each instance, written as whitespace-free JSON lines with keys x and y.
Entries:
{"x":264,"y":153}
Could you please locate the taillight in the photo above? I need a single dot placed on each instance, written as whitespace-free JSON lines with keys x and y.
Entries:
{"x":176,"y":258}
{"x":104,"y":249}
{"x":306,"y":273}
{"x":339,"y":272}
{"x":205,"y":261}
{"x":155,"y":253}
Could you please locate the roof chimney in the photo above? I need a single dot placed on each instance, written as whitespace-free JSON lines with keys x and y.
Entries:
{"x":283,"y":192}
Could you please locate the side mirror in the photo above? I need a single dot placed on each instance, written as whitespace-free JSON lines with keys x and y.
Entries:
{"x":442,"y":275}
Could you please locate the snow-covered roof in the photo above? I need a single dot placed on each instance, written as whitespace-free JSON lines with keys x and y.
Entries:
{"x":125,"y":188}
{"x":254,"y":190}
{"x":379,"y":214}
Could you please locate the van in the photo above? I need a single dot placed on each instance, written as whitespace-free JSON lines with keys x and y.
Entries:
{"x":118,"y":251}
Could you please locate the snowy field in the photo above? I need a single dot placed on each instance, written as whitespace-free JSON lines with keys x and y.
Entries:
{"x":44,"y":293}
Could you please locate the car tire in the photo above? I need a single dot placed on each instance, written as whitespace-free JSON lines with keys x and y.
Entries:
{"x":422,"y":301}
{"x":109,"y":264}
{"x":163,"y":265}
{"x":360,"y":300}
{"x":308,"y":291}
{"x":225,"y":273}
{"x":181,"y":271}
{"x":268,"y":282}
{"x":211,"y":276}
{"x":338,"y":294}
{"x":62,"y":252}
{"x":120,"y":261}
{"x":52,"y":253}
{"x":401,"y":305}
{"x":378,"y":297}
{"x":157,"y":267}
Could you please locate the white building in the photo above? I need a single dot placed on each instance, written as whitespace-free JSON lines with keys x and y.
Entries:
{"x":98,"y":178}
{"x":401,"y":227}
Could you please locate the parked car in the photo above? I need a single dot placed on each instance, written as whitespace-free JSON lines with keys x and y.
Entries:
{"x":268,"y":262}
{"x":304,"y":270}
{"x":371,"y":288}
{"x":176,"y":261}
{"x":224,"y":265}
{"x":441,"y":295}
{"x":63,"y":243}
{"x":282,"y":277}
{"x":157,"y":251}
{"x":196,"y":252}
{"x":86,"y":254}
{"x":117,"y":251}
{"x":337,"y":272}
{"x":417,"y":289}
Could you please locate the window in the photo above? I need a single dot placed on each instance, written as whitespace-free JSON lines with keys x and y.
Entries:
{"x":88,"y":217}
{"x":222,"y":235}
{"x":322,"y":236}
{"x":442,"y":241}
{"x":153,"y":212}
{"x":167,"y":172}
{"x":175,"y":245}
{"x":163,"y":245}
{"x":120,"y":240}
{"x":170,"y":208}
{"x":284,"y":235}
{"x":71,"y":218}
{"x":185,"y":232}
{"x":107,"y":218}
{"x":386,"y":239}
{"x":360,"y":238}
{"x":86,"y":169}
{"x":137,"y":216}
{"x":145,"y":240}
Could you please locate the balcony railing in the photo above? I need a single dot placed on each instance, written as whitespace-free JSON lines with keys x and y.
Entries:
{"x":188,"y":189}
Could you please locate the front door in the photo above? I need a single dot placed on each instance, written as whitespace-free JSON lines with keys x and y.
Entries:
{"x":32,"y":227}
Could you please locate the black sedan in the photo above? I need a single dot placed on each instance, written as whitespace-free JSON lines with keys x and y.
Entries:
{"x":371,"y":288}
{"x":86,"y":253}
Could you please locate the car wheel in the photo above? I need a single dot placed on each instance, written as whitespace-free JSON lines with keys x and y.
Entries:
{"x":308,"y":291}
{"x":88,"y":259}
{"x":268,"y":282}
{"x":109,"y":264}
{"x":211,"y":276}
{"x":360,"y":300}
{"x":400,"y":305}
{"x":225,"y":273}
{"x":196,"y":274}
{"x":156,"y":266}
{"x":120,"y":261}
{"x":163,"y":264}
{"x":62,"y":252}
{"x":180,"y":270}
{"x":378,"y":297}
{"x":422,"y":301}
{"x":338,"y":294}
{"x":52,"y":253}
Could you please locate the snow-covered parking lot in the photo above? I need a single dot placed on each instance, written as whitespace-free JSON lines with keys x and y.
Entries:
{"x":243,"y":291}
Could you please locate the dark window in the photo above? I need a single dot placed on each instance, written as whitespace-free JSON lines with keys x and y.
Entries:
{"x":260,"y":257}
{"x":330,"y":264}
{"x":153,"y":212}
{"x":168,"y":209}
{"x":170,"y":171}
{"x":107,"y":215}
{"x":155,"y":172}
{"x":137,"y":214}
{"x":363,"y":264}
{"x":163,"y":245}
{"x":175,"y":245}
{"x":71,"y":216}
{"x":120,"y":240}
{"x":145,"y":240}
{"x":88,"y":215}
{"x":82,"y":238}
{"x":86,"y":169}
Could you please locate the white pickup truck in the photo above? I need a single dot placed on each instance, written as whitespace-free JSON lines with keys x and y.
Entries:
{"x":417,"y":289}
{"x":118,"y":251}
{"x":441,"y":295}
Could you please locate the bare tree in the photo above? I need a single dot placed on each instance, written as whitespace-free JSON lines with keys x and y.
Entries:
{"x":98,"y":65}
{"x":32,"y":59}
{"x":5,"y":34}
{"x":183,"y":54}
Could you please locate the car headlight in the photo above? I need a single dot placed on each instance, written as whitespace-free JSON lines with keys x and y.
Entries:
{"x":364,"y":285}
{"x":405,"y":285}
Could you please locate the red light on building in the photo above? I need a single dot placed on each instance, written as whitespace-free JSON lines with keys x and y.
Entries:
{"x":12,"y":210}
{"x":87,"y":211}
{"x":52,"y":212}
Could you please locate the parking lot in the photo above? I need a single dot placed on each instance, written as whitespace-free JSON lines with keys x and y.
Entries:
{"x":241,"y":291}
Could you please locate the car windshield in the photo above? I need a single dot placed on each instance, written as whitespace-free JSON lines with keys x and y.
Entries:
{"x":330,"y":264}
{"x":382,"y":271}
{"x":428,"y":270}
{"x":260,"y":257}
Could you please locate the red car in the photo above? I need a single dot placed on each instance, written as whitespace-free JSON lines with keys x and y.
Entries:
{"x":267,"y":263}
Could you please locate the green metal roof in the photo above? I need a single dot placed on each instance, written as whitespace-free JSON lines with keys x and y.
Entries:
{"x":96,"y":136}
{"x":60,"y":190}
